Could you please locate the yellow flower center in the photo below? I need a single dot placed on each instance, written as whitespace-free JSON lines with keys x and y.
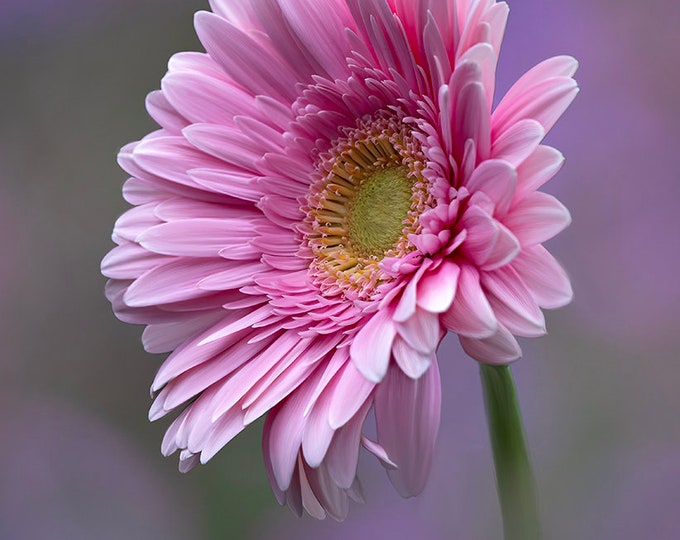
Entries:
{"x":363,"y":204}
{"x":376,"y":216}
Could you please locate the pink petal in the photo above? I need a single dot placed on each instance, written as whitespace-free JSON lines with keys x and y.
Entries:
{"x":173,"y":282}
{"x":546,"y":280}
{"x":497,"y":179}
{"x":544,"y":101}
{"x":470,"y":313}
{"x":343,"y":454}
{"x":407,"y":418}
{"x":200,"y":97}
{"x":537,"y":218}
{"x":129,"y":261}
{"x":165,"y":114}
{"x":321,"y":29}
{"x":372,"y":346}
{"x":285,"y":435}
{"x":196,"y":237}
{"x":411,"y":361}
{"x":421,"y":331}
{"x":500,"y":348}
{"x":256,"y":68}
{"x":379,"y":452}
{"x":517,"y":142}
{"x":350,"y":393}
{"x":437,"y":288}
{"x":512,"y":303}
{"x":537,"y":169}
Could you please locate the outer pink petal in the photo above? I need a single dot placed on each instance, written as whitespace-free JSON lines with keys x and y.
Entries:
{"x":256,"y":68}
{"x":173,"y":282}
{"x":500,"y":348}
{"x":407,"y":418}
{"x":496,"y":178}
{"x":517,"y":142}
{"x":512,"y":302}
{"x":537,"y":169}
{"x":546,"y":280}
{"x":537,"y":218}
{"x":470,"y":313}
{"x":437,"y":288}
{"x":372,"y":346}
{"x":544,"y":102}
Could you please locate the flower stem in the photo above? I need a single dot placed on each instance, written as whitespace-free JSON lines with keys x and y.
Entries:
{"x":516,"y":490}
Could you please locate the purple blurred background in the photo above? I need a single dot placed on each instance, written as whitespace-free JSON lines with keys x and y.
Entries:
{"x":599,"y":394}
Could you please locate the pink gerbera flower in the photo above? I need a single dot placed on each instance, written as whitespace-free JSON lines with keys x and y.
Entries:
{"x":328,"y":194}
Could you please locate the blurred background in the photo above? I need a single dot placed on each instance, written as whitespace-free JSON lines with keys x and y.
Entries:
{"x":599,"y":394}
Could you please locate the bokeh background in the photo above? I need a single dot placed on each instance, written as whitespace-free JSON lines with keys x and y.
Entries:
{"x":599,"y":394}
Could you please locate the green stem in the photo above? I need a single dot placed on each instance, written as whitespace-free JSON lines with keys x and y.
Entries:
{"x":516,"y":490}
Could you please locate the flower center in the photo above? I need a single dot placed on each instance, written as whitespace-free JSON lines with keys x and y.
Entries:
{"x":364,"y":202}
{"x":375,"y":218}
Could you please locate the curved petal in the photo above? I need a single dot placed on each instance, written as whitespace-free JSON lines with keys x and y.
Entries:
{"x":500,"y":348}
{"x":407,"y":418}
{"x":372,"y":346}
{"x":470,"y":313}
{"x":545,"y":278}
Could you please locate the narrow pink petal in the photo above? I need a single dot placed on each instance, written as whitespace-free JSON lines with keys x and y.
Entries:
{"x":196,"y":237}
{"x":237,"y":184}
{"x":285,"y":436}
{"x":537,"y":218}
{"x":231,"y":275}
{"x":252,"y":318}
{"x":134,"y":221}
{"x":371,"y":347}
{"x":350,"y":393}
{"x":557,"y":66}
{"x":225,"y":143}
{"x":200,"y":97}
{"x":309,"y":500}
{"x":173,"y":282}
{"x":407,"y":419}
{"x":170,"y":158}
{"x":258,"y":69}
{"x":517,"y":142}
{"x":421,"y":331}
{"x":512,"y":302}
{"x":500,"y":348}
{"x":343,"y":454}
{"x":488,"y":243}
{"x":544,"y":102}
{"x":333,"y":499}
{"x":470,"y":313}
{"x":437,"y":288}
{"x":505,"y":249}
{"x":545,"y":278}
{"x":321,"y":29}
{"x":411,"y":361}
{"x":129,"y":261}
{"x":266,"y":454}
{"x":318,"y":433}
{"x":223,"y":431}
{"x":165,"y":337}
{"x":537,"y":169}
{"x":497,"y":178}
{"x":164,"y":113}
{"x":379,"y":452}
{"x":139,"y":192}
{"x":472,"y":120}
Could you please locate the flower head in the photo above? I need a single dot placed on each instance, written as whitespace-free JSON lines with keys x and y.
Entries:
{"x":329,"y":193}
